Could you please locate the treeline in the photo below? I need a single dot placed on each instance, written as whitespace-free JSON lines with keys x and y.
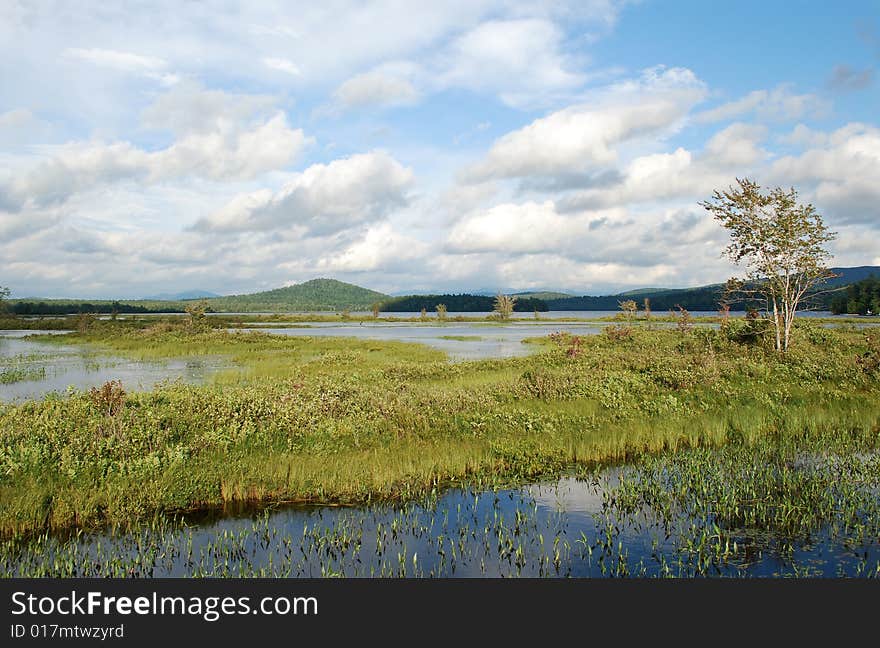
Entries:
{"x":706,"y":298}
{"x":463,"y":303}
{"x":67,"y":308}
{"x":859,"y":298}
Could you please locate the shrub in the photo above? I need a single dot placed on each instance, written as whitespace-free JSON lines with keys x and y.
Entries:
{"x":869,"y":361}
{"x":749,"y":331}
{"x":618,"y":332}
{"x":685,"y":322}
{"x":109,"y":398}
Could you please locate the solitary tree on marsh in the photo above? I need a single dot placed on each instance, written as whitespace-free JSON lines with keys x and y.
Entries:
{"x":504,"y":305}
{"x":780,"y":242}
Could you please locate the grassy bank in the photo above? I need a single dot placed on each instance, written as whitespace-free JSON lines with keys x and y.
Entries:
{"x":353,"y":421}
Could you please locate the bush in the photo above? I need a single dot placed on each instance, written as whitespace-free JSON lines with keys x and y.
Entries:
{"x":869,"y":361}
{"x":108,"y":398}
{"x":748,"y":331}
{"x":618,"y":333}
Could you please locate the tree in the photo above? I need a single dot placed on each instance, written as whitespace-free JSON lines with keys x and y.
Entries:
{"x":4,"y":294}
{"x":376,"y":308}
{"x":441,"y":311}
{"x":198,"y":319}
{"x":504,"y":305}
{"x":780,"y":242}
{"x":629,"y":308}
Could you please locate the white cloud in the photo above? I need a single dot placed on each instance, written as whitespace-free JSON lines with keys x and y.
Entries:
{"x":323,"y":199}
{"x":388,"y":85}
{"x":737,"y":146}
{"x":585,"y":137}
{"x":221,"y":146}
{"x":520,"y":60}
{"x":381,"y":248}
{"x":527,"y":227}
{"x":681,"y":174}
{"x":779,"y":104}
{"x":123,"y":61}
{"x":149,"y":66}
{"x":283,"y":65}
{"x":840,"y":172}
{"x":191,"y":108}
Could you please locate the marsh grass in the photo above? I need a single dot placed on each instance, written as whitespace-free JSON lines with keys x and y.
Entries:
{"x":799,"y":504}
{"x":321,"y":420}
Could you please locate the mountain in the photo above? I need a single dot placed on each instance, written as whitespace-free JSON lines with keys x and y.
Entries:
{"x":335,"y":296}
{"x":314,"y":295}
{"x":704,"y":298}
{"x":182,"y":296}
{"x":853,"y":275}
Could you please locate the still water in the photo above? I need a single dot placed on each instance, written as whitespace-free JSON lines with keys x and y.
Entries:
{"x":461,"y":341}
{"x":40,"y":369}
{"x":565,"y":528}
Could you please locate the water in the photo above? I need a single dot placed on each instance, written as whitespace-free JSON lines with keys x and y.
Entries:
{"x":586,"y":315}
{"x":564,"y":528}
{"x":477,"y":340}
{"x":56,"y":368}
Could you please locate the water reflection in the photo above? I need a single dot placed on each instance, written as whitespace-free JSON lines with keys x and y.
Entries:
{"x":45,"y":368}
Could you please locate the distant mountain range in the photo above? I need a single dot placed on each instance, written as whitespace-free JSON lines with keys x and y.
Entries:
{"x":704,"y":298}
{"x":332,"y":295}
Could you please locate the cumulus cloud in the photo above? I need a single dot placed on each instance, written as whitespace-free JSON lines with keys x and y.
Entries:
{"x":222,"y":146}
{"x":521,"y":60}
{"x":585,"y":136}
{"x":737,"y":146}
{"x":535,"y":245}
{"x":189,"y":107}
{"x":381,"y":248}
{"x":681,"y":174}
{"x":840,"y":171}
{"x":779,"y":104}
{"x":387,"y":85}
{"x":323,"y":199}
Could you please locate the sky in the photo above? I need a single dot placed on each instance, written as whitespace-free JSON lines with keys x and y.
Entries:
{"x":151,"y":147}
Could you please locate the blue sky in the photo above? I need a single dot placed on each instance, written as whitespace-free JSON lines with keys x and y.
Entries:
{"x":155,"y":147}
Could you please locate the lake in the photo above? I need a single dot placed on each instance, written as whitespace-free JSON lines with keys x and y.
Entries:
{"x":462,"y":341}
{"x":45,"y":368}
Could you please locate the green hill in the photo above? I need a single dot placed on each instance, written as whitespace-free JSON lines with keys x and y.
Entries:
{"x":314,"y":295}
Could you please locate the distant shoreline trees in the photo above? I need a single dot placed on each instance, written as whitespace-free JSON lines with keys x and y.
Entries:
{"x":860,"y":298}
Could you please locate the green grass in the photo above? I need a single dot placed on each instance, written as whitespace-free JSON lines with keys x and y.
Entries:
{"x":9,"y":375}
{"x":353,"y":421}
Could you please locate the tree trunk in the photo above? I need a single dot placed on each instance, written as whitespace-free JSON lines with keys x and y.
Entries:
{"x":776,"y":325}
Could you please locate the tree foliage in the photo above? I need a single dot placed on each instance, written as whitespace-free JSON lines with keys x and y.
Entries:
{"x":860,"y":298}
{"x":780,"y":242}
{"x":504,"y":305}
{"x":460,"y":303}
{"x":628,"y":307}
